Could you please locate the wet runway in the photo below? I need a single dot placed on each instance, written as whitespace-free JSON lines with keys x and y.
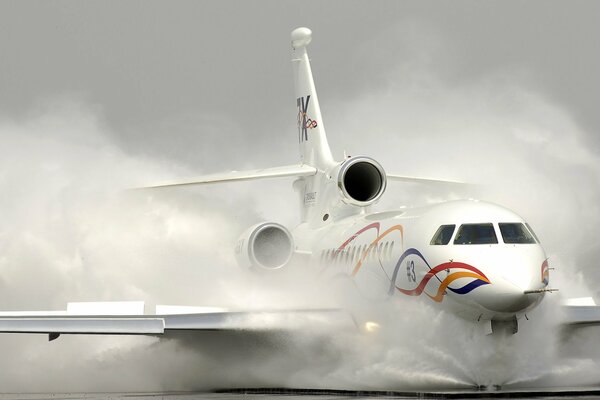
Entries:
{"x":320,"y":394}
{"x":481,"y":393}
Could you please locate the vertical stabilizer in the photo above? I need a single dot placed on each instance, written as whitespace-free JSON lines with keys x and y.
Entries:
{"x":314,"y":149}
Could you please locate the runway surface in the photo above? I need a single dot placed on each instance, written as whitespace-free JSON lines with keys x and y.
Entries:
{"x":320,"y":394}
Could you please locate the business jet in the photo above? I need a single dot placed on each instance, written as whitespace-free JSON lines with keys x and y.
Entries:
{"x":479,"y":260}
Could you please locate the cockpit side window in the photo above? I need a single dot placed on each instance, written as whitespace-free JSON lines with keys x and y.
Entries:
{"x":515,"y":233}
{"x":476,"y":234}
{"x":537,"y":239}
{"x":443,"y":235}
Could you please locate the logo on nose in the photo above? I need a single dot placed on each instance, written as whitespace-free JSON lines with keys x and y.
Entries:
{"x":545,"y":273}
{"x":460,"y":271}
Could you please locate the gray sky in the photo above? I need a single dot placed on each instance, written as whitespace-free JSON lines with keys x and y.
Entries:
{"x":168,"y":75}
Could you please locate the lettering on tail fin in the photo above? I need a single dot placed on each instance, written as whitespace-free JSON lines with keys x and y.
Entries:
{"x":304,"y":123}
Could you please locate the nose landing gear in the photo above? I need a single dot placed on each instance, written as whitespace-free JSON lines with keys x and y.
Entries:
{"x":505,"y":327}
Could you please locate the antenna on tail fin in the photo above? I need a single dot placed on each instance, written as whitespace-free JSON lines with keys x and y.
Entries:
{"x":314,"y":149}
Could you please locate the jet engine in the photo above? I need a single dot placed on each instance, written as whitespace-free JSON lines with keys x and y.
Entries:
{"x":361,"y":181}
{"x":266,"y":246}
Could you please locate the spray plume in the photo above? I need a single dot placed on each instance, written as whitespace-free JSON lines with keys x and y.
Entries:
{"x":71,"y":232}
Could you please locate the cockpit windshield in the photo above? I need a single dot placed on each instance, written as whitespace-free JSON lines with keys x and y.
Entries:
{"x":443,"y":235}
{"x":515,"y":233}
{"x":476,"y":234}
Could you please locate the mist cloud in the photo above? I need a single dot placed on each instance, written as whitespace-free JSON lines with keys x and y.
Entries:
{"x":72,"y":232}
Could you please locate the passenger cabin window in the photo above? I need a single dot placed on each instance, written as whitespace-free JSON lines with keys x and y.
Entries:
{"x":515,"y":233}
{"x":476,"y":234}
{"x":443,"y":235}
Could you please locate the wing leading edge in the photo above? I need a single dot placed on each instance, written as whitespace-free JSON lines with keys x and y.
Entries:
{"x":581,"y":315}
{"x":54,"y":324}
{"x":93,"y":319}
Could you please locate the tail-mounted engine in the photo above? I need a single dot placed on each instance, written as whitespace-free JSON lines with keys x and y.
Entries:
{"x":361,"y":181}
{"x":266,"y":246}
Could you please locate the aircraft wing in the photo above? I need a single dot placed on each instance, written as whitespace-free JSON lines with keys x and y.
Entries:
{"x":581,"y":315}
{"x":276,"y":172}
{"x":181,"y":319}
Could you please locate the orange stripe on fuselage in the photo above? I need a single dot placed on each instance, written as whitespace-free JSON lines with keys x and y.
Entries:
{"x":375,"y":242}
{"x":451,"y":278}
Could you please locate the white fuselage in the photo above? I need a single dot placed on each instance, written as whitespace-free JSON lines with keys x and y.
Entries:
{"x":482,"y":271}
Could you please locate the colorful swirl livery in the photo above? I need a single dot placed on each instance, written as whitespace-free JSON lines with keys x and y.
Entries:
{"x":462,"y":270}
{"x":466,"y":271}
{"x":376,"y":226}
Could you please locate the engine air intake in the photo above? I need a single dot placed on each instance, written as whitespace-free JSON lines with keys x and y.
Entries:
{"x":361,"y":180}
{"x":267,"y":245}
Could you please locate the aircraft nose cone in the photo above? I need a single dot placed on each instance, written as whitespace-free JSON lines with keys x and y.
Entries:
{"x":518,"y":301}
{"x":516,"y":280}
{"x":510,"y":299}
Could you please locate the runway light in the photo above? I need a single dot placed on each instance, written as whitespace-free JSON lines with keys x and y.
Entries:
{"x":371,"y":326}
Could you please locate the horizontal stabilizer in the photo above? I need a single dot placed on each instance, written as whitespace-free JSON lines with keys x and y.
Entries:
{"x":276,"y":172}
{"x":400,"y":178}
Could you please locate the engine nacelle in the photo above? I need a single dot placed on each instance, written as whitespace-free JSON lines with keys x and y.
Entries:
{"x":361,"y":180}
{"x":267,"y":246}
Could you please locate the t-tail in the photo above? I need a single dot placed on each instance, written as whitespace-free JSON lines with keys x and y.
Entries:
{"x":315,"y":155}
{"x":314,"y":149}
{"x":328,"y":190}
